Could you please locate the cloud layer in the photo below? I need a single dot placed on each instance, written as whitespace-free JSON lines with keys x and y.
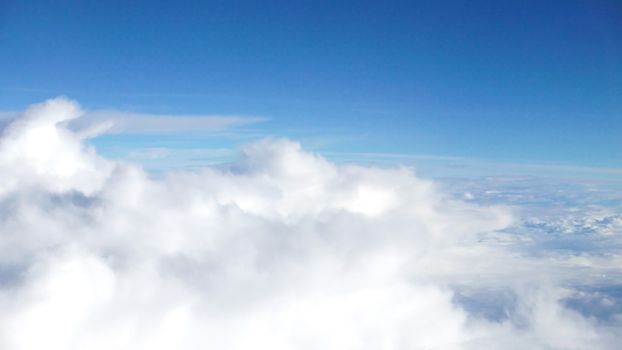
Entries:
{"x":279,"y":250}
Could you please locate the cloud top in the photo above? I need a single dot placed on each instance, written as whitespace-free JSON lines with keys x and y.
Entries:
{"x":38,"y":150}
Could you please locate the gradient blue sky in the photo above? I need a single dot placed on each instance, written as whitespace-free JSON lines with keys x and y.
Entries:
{"x":506,"y":81}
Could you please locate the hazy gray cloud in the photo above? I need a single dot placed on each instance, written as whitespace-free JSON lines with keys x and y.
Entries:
{"x":96,"y":122}
{"x":279,"y":250}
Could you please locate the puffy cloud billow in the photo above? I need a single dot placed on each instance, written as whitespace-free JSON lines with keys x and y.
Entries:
{"x":279,"y":250}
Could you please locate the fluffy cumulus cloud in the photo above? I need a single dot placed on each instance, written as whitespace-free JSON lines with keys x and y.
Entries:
{"x":278,"y":250}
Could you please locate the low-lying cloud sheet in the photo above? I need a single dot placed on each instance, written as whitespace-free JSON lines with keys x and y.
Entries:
{"x":279,"y":250}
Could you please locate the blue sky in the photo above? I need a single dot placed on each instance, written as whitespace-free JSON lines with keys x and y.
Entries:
{"x":527,"y":82}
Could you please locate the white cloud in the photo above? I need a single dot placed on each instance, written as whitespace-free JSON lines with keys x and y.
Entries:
{"x":280,"y":250}
{"x":36,"y":150}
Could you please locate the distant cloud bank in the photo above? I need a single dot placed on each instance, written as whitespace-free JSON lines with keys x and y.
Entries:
{"x":279,"y":250}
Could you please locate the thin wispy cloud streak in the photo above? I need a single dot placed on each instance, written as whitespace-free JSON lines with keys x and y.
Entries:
{"x":280,"y":249}
{"x":98,"y":122}
{"x":137,"y":123}
{"x":480,"y":167}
